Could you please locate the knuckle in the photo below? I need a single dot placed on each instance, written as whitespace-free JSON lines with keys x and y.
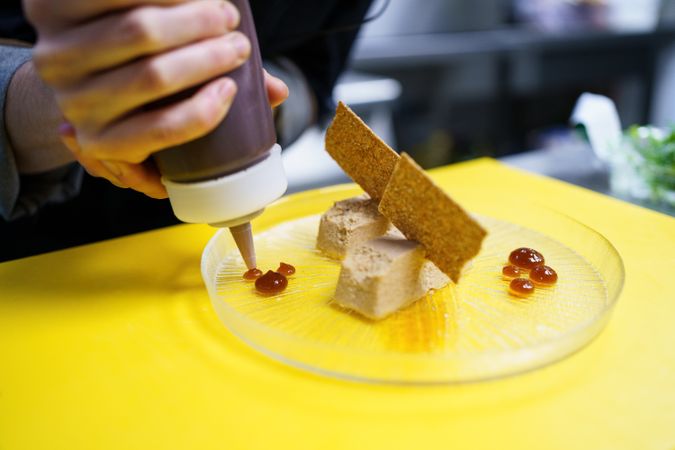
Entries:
{"x":210,"y":18}
{"x":140,"y":28}
{"x":49,"y":75}
{"x":42,"y":55}
{"x":45,"y":62}
{"x":167,"y":132}
{"x":123,"y":176}
{"x":92,"y":147}
{"x":72,"y":105}
{"x":223,"y":56}
{"x":153,"y":76}
{"x":37,"y":11}
{"x":207,"y":113}
{"x":95,"y":147}
{"x":78,"y":109}
{"x":54,"y":64}
{"x":179,"y":125}
{"x":233,"y":16}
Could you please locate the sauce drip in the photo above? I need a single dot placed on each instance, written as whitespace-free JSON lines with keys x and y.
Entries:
{"x":543,"y":275}
{"x":271,"y":283}
{"x":285,"y":269}
{"x":526,"y":258}
{"x":509,"y":272}
{"x":252,"y":274}
{"x":521,"y":287}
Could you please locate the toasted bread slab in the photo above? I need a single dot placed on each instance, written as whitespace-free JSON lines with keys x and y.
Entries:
{"x":425,"y":213}
{"x":361,"y":154}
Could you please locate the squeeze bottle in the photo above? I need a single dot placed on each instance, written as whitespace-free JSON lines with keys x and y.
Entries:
{"x":227,"y":177}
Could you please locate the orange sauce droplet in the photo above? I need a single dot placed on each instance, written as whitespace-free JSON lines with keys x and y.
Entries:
{"x":285,"y":269}
{"x":271,"y":283}
{"x":543,"y":275}
{"x":510,"y":272}
{"x":526,"y":258}
{"x":252,"y":274}
{"x":521,"y":287}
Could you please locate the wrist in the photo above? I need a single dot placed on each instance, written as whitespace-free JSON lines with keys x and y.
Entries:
{"x":32,"y":118}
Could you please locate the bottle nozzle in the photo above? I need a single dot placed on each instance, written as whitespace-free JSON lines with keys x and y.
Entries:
{"x":243,"y":237}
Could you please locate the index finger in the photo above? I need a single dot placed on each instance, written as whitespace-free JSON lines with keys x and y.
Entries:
{"x":51,"y":16}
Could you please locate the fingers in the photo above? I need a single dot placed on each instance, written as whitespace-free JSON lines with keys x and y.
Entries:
{"x":277,"y":91}
{"x":107,"y":60}
{"x":151,"y":79}
{"x":141,"y":177}
{"x":67,"y":57}
{"x":93,"y":166}
{"x":53,"y":16}
{"x":133,"y":139}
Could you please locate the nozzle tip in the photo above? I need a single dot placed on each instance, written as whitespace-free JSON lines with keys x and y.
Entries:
{"x":243,"y":237}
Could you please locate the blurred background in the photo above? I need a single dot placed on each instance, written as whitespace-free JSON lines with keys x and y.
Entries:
{"x":452,"y":80}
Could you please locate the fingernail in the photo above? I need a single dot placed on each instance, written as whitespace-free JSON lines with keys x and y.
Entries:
{"x":231,"y":15}
{"x":241,"y":43}
{"x":66,"y":130}
{"x":226,"y":88}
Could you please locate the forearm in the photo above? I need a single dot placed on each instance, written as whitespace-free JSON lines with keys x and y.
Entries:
{"x":31,"y":122}
{"x":27,"y":123}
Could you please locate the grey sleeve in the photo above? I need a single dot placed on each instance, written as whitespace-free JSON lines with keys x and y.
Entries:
{"x":22,"y":195}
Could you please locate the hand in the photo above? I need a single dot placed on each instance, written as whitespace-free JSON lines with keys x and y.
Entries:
{"x":104,"y":63}
{"x":144,"y":177}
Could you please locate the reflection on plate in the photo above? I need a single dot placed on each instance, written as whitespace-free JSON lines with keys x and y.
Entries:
{"x":471,"y":331}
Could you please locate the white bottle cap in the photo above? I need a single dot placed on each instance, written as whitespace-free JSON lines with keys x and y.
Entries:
{"x":232,"y":199}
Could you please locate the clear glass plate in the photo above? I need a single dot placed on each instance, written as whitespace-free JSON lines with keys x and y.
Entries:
{"x":466,"y":332}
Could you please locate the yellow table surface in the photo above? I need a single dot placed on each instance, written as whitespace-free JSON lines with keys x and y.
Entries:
{"x":115,"y":346}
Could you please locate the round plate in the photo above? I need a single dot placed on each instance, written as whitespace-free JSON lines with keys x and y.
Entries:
{"x":466,"y":332}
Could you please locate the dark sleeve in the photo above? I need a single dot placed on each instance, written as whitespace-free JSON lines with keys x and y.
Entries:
{"x":13,"y":23}
{"x":316,"y":36}
{"x":23,"y":195}
{"x":324,"y":57}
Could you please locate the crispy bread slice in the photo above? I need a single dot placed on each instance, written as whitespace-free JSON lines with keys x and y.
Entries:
{"x":361,"y":154}
{"x":425,"y":213}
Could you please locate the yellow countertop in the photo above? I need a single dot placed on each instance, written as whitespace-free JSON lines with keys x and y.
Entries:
{"x":115,"y":346}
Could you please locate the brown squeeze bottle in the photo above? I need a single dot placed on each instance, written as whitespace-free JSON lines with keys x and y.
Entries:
{"x":227,"y":177}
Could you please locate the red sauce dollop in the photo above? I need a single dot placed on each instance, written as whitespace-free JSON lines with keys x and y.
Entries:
{"x":521,"y":287}
{"x":271,"y":283}
{"x":252,"y":274}
{"x":510,"y":272}
{"x":526,"y":258}
{"x":543,"y":275}
{"x":285,"y":269}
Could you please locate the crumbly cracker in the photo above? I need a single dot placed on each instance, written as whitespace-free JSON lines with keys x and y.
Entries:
{"x":423,"y":212}
{"x":361,"y":154}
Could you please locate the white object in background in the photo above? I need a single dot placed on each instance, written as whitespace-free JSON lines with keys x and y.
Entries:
{"x":308,"y":165}
{"x":633,"y":15}
{"x":601,"y":119}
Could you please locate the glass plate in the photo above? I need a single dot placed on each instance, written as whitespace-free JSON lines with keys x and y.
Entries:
{"x":466,"y":332}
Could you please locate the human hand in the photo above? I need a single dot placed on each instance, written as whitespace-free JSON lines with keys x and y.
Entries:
{"x":144,"y":177}
{"x":104,"y":60}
